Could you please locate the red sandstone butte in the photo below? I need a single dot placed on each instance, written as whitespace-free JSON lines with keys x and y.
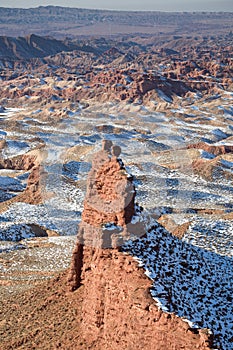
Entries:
{"x":118,"y":311}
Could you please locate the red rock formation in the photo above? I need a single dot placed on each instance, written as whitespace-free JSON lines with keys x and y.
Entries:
{"x":21,"y":162}
{"x":2,"y":144}
{"x":32,"y":193}
{"x":109,"y":200}
{"x":110,"y":192}
{"x":117,"y":310}
{"x":214,"y":149}
{"x":29,"y":161}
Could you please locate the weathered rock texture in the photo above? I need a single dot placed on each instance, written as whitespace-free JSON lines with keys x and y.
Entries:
{"x":32,"y":193}
{"x":118,"y":311}
{"x":29,"y":162}
{"x":110,"y":192}
{"x":21,"y":162}
{"x":109,"y":200}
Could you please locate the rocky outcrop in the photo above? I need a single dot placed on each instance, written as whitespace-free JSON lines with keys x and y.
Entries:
{"x":30,"y":46}
{"x":21,"y":162}
{"x":216,"y":150}
{"x":108,"y":208}
{"x":110,"y":191}
{"x":28,"y":162}
{"x":2,"y":144}
{"x":118,"y":310}
{"x":32,"y":193}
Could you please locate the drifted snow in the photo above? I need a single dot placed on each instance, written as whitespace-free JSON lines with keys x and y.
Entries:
{"x":190,"y":281}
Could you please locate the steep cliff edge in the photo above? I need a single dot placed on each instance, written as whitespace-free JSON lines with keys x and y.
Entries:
{"x":118,"y":310}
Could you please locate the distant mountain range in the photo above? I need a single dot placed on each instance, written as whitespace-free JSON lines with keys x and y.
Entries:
{"x":60,"y":22}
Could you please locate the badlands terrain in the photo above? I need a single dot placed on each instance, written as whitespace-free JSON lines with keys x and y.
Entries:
{"x":166,"y":100}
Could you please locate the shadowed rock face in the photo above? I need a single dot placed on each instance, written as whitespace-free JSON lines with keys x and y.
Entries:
{"x":29,"y":47}
{"x":118,"y":310}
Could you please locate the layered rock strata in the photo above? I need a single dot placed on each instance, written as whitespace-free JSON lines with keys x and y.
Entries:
{"x":108,"y":208}
{"x":118,"y":310}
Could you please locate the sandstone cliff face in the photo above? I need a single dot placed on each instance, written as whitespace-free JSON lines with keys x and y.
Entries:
{"x":110,"y":192}
{"x":32,"y":193}
{"x":21,"y":162}
{"x":108,"y":207}
{"x":118,"y":311}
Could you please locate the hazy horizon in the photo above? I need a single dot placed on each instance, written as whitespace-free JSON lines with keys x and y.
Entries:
{"x":133,"y":5}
